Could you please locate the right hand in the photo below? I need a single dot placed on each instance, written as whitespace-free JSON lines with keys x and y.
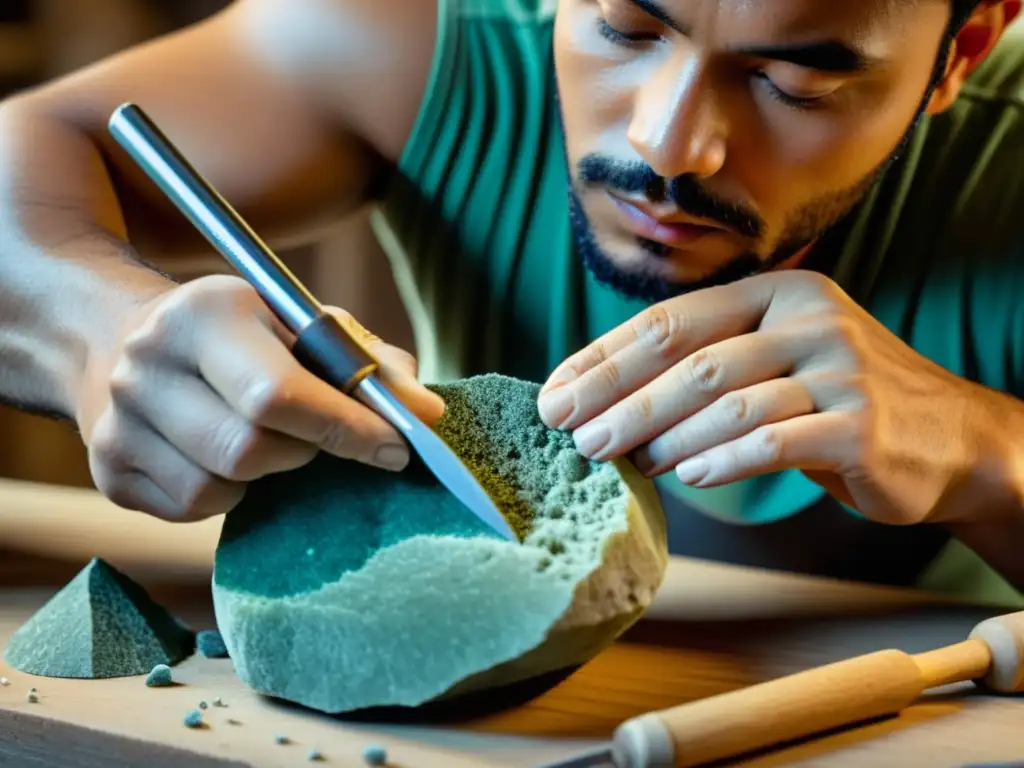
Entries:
{"x":201,"y":394}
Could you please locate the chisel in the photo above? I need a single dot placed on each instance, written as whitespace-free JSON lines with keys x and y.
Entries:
{"x":323,"y":345}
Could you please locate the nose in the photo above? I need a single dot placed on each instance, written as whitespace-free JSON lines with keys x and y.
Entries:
{"x":676,"y":126}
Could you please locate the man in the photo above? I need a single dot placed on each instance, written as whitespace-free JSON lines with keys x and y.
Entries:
{"x":784,"y":280}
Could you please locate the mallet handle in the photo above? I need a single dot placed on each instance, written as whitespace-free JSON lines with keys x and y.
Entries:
{"x":811,"y":702}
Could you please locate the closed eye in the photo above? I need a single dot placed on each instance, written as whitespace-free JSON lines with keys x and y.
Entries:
{"x":624,"y":37}
{"x":796,"y":102}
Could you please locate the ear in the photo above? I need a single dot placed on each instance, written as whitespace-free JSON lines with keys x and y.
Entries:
{"x":972,"y":45}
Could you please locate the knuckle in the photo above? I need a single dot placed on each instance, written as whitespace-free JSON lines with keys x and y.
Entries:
{"x":107,"y":441}
{"x":142,"y":342}
{"x":609,"y":375}
{"x":124,"y":381}
{"x":736,"y":409}
{"x":207,"y":298}
{"x":840,"y":330}
{"x":592,"y":357}
{"x":641,"y":407}
{"x":660,"y":327}
{"x":703,"y":372}
{"x":213,"y":291}
{"x":819,"y":284}
{"x":262,"y":397}
{"x":859,"y":388}
{"x":768,"y":444}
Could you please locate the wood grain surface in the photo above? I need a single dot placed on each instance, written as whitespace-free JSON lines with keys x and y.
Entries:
{"x":713,"y":628}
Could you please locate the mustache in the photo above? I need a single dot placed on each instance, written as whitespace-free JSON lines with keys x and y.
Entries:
{"x":685,"y":192}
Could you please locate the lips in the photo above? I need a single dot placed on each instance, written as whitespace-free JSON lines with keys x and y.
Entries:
{"x":673,"y":234}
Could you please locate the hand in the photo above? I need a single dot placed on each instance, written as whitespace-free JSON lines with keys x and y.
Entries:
{"x":780,"y":371}
{"x":202,"y":395}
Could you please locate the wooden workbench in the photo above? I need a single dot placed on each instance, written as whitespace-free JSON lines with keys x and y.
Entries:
{"x":712,"y":629}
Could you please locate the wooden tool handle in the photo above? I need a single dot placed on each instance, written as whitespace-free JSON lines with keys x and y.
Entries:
{"x":803,"y":704}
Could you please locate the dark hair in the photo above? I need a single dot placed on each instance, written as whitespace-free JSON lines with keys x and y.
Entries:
{"x":962,"y":10}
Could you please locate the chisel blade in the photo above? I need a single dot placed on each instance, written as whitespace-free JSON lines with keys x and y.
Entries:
{"x":439,"y":458}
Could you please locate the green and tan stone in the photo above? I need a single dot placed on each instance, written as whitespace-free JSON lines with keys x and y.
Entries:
{"x":343,"y":587}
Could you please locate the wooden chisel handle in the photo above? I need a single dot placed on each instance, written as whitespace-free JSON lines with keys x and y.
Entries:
{"x":793,"y":707}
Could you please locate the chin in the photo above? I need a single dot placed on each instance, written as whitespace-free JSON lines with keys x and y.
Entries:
{"x":650,"y":271}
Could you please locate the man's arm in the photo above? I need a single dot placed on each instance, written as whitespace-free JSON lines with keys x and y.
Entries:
{"x":994,"y":526}
{"x":270,"y":99}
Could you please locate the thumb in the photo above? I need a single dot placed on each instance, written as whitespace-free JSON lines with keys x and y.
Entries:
{"x":398,"y":369}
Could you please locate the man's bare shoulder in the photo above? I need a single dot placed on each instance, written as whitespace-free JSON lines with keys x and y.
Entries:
{"x":288,"y":106}
{"x":366,"y":61}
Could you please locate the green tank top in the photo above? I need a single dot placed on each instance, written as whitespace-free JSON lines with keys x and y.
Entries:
{"x":477,"y":230}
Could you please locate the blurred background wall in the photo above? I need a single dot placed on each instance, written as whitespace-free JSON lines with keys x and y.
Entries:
{"x":41,"y":39}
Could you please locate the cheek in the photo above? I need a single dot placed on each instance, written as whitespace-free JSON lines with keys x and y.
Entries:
{"x":833,"y":150}
{"x":594,"y":101}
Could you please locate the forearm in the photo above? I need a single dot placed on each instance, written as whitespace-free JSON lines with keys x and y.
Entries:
{"x":992,"y":520}
{"x":68,"y":277}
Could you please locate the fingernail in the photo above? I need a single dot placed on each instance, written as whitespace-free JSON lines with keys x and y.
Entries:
{"x":591,"y":438}
{"x":556,"y":408}
{"x":393,"y":457}
{"x":563,"y":378}
{"x":692,"y":471}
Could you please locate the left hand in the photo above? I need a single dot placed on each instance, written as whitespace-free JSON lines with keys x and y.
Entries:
{"x":779,"y":371}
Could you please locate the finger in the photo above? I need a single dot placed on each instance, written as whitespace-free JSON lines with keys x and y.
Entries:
{"x":137,"y":469}
{"x":728,"y":418}
{"x":135,"y":492}
{"x":685,"y":388}
{"x":682,"y":320}
{"x":260,"y":379}
{"x":623,"y":360}
{"x":817,"y":442}
{"x":186,"y":412}
{"x":398,"y":370}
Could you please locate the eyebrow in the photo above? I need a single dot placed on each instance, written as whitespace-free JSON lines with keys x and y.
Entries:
{"x":826,"y":56}
{"x":830,"y":56}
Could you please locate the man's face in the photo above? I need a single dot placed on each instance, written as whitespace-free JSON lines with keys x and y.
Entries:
{"x":708,"y":139}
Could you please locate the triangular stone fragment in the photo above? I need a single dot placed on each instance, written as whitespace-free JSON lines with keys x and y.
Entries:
{"x":102,"y":624}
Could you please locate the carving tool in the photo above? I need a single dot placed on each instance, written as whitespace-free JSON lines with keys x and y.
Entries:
{"x":812,"y":702}
{"x":323,"y":345}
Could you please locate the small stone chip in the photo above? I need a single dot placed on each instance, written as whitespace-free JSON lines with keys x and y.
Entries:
{"x":159,"y":676}
{"x":218,"y":702}
{"x":314,"y":755}
{"x":281,"y":738}
{"x":375,"y":755}
{"x":194,"y":718}
{"x":4,"y":682}
{"x":202,"y":705}
{"x":210,"y":644}
{"x":232,"y":721}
